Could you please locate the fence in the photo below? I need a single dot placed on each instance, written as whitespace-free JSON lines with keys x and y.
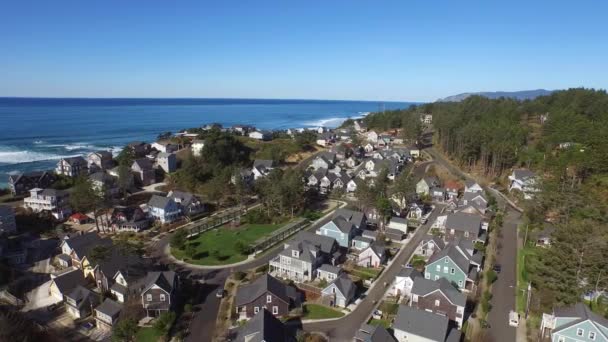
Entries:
{"x":279,"y":235}
{"x":209,"y":223}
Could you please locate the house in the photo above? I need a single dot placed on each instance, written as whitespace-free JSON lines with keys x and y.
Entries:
{"x":72,"y":166}
{"x":21,"y":183}
{"x":158,"y":295}
{"x":452,"y":189}
{"x":340,"y":292}
{"x":79,"y":301}
{"x":404,"y":281}
{"x":107,"y":314}
{"x":99,"y":161}
{"x":574,"y":323}
{"x":326,"y":139}
{"x":245,"y":175}
{"x":269,"y":293}
{"x":424,"y":186}
{"x":328,"y":272}
{"x":128,"y":282}
{"x":438,"y":194}
{"x":79,"y":218}
{"x":262,"y":167}
{"x":242,"y":129}
{"x":544,"y":237}
{"x":197,"y":147}
{"x":64,"y":260}
{"x":415,"y":211}
{"x":8,"y":224}
{"x":103,"y":271}
{"x":167,"y":161}
{"x":429,"y":246}
{"x":128,"y":219}
{"x":464,"y":226}
{"x":164,"y":146}
{"x":357,"y":218}
{"x":351,"y":186}
{"x":368,"y":148}
{"x":53,"y":201}
{"x":372,"y":137}
{"x":325,"y":160}
{"x":439,"y":297}
{"x":426,"y":118}
{"x":104,"y":183}
{"x":394,"y":234}
{"x":138,"y":148}
{"x":77,"y":246}
{"x":398,"y":223}
{"x":315,"y":178}
{"x":260,"y":135}
{"x":163,"y":209}
{"x":373,"y":333}
{"x":303,"y":255}
{"x":418,"y":325}
{"x":360,"y":243}
{"x":414,"y":151}
{"x":371,"y":234}
{"x":373,"y":256}
{"x":523,"y":180}
{"x":63,"y":283}
{"x":263,"y":327}
{"x":144,"y":171}
{"x":187,"y":202}
{"x":339,"y":229}
{"x":474,"y":199}
{"x":351,"y":162}
{"x":457,"y":263}
{"x":472,"y":186}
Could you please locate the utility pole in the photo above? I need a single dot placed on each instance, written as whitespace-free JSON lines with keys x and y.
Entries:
{"x":526,"y":235}
{"x":528,"y":299}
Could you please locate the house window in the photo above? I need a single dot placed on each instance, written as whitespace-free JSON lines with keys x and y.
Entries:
{"x":460,"y":283}
{"x":466,"y":234}
{"x":436,"y":277}
{"x":446,"y":260}
{"x":269,"y":299}
{"x":438,"y":268}
{"x":295,"y":254}
{"x":592,"y":335}
{"x":452,"y":271}
{"x":275,"y":310}
{"x":437,"y":302}
{"x":427,"y":276}
{"x":445,"y":269}
{"x":162,"y":297}
{"x":149,"y":297}
{"x":256,"y":309}
{"x":580,"y":332}
{"x":561,"y":339}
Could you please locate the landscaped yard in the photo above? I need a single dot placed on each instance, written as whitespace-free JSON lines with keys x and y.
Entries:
{"x":221,"y":246}
{"x":147,"y":335}
{"x":381,"y":322}
{"x":365,"y":273}
{"x":316,"y":311}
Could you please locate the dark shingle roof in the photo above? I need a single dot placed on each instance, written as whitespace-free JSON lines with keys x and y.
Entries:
{"x":463,"y":222}
{"x":164,"y":280}
{"x":410,"y":272}
{"x":355,"y":217}
{"x":264,"y":327}
{"x":346,"y":286}
{"x":109,"y":307}
{"x":266,"y":283}
{"x":459,"y":256}
{"x":81,"y":244}
{"x":523,"y":174}
{"x":157,"y":201}
{"x":344,"y":226}
{"x":67,"y":281}
{"x":329,"y":268}
{"x":421,"y":323}
{"x":143,"y":163}
{"x":423,"y":287}
{"x":373,"y":333}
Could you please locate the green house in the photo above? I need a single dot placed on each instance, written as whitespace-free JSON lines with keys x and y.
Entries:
{"x":575,"y":324}
{"x":456,"y":264}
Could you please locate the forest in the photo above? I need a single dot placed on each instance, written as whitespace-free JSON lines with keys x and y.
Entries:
{"x":563,"y":138}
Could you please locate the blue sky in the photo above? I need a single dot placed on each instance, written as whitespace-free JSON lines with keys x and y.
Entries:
{"x":414,"y":50}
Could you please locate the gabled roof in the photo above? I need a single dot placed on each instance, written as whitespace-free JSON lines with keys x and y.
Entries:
{"x":264,"y":284}
{"x":421,"y":323}
{"x":463,"y":222}
{"x":67,"y":281}
{"x":398,"y":220}
{"x":102,"y":154}
{"x":74,"y":160}
{"x":157,"y":201}
{"x":165,"y":155}
{"x":344,"y":226}
{"x":165,"y":280}
{"x":118,"y":259}
{"x":378,"y":249}
{"x":430,"y":181}
{"x":345,"y":286}
{"x":109,"y":307}
{"x":373,"y":333}
{"x":264,"y":327}
{"x":582,"y":313}
{"x":329,"y":269}
{"x":102,"y":177}
{"x":423,"y":287}
{"x":263,"y":163}
{"x":469,"y":196}
{"x":53,"y":192}
{"x":185,"y":198}
{"x":436,"y":240}
{"x":81,"y":295}
{"x":409,"y":272}
{"x":81,"y":244}
{"x":460,"y":257}
{"x":523,"y":174}
{"x":355,"y":217}
{"x":143,"y":163}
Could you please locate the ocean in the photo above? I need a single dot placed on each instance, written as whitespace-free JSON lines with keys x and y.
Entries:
{"x":36,"y":132}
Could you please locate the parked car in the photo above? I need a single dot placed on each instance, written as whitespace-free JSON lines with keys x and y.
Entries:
{"x":513,"y":319}
{"x":497,"y":268}
{"x":220,"y":293}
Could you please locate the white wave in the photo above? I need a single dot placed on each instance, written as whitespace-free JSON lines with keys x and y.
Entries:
{"x":18,"y":157}
{"x":331,"y":122}
{"x":38,"y":142}
{"x":75,"y":146}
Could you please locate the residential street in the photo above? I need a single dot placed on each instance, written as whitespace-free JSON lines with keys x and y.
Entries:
{"x":503,"y":290}
{"x":344,"y":329}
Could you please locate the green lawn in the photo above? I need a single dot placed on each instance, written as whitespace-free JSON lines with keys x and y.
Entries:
{"x":381,"y":322}
{"x":522,"y":276}
{"x":365,"y":273}
{"x":315,"y":311}
{"x":147,"y":335}
{"x":218,"y":247}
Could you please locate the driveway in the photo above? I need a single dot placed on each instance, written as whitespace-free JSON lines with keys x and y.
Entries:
{"x":344,"y":329}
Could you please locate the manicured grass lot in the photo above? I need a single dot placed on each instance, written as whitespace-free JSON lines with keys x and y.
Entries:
{"x":365,"y":273}
{"x":147,"y":335}
{"x":218,"y":247}
{"x":316,"y":311}
{"x":522,"y":276}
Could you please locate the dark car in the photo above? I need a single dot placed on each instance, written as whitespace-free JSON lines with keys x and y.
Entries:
{"x":220,"y":293}
{"x":497,"y":268}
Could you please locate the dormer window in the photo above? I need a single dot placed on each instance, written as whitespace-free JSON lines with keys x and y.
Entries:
{"x":149,"y":297}
{"x":437,"y":302}
{"x":295,"y":254}
{"x":162,"y":297}
{"x":268,"y":299}
{"x":446,"y":260}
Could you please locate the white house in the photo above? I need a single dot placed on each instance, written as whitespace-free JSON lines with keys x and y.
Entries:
{"x":398,"y":223}
{"x":328,"y":272}
{"x":472,"y":186}
{"x":372,"y":137}
{"x":260,"y":135}
{"x":197,"y":147}
{"x":164,"y":146}
{"x":340,"y":292}
{"x":54,"y":201}
{"x":404,"y":281}
{"x":525,"y":181}
{"x":372,"y":256}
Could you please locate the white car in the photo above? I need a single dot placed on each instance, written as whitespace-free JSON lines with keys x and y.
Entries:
{"x":513,"y":319}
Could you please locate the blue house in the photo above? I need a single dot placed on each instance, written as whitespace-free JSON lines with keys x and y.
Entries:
{"x":163,"y":209}
{"x":575,"y":323}
{"x":339,"y":229}
{"x":458,"y":263}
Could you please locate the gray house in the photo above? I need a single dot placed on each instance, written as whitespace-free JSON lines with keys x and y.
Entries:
{"x":418,"y":325}
{"x":340,"y":292}
{"x":167,"y":161}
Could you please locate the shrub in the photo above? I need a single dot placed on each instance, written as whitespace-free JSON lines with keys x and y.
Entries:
{"x":490,"y":277}
{"x":257,"y":216}
{"x":239,"y":275}
{"x":178,"y":239}
{"x":164,"y":322}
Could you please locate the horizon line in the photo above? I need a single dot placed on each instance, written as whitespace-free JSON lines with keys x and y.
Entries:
{"x":199,"y":98}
